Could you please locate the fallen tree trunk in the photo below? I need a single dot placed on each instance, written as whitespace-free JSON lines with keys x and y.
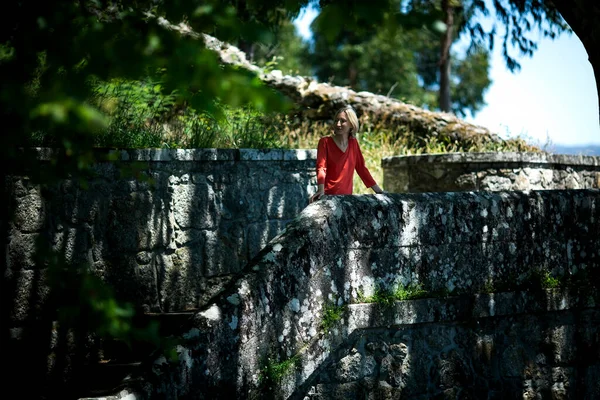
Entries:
{"x":318,"y":101}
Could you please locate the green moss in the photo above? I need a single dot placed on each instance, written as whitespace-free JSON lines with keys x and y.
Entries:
{"x":331,"y":314}
{"x":273,"y":372}
{"x":382,"y":297}
{"x":535,"y":281}
{"x":410,"y":292}
{"x":547,"y":281}
{"x":488,"y":287}
{"x":387,"y":298}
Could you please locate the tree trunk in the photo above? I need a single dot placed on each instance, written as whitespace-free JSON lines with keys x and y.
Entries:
{"x":444,"y":94}
{"x":583,"y":16}
{"x":318,"y":101}
{"x":247,"y":48}
{"x":352,"y":75}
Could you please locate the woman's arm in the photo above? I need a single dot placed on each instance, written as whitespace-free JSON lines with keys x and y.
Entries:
{"x":321,"y":170}
{"x":317,"y":196}
{"x":377,"y":189}
{"x":363,"y":171}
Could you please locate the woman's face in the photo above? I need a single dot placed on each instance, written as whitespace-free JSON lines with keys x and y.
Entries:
{"x":341,"y":125}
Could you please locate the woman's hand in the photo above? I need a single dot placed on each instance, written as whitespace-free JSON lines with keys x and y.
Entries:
{"x":377,"y":189}
{"x":316,"y":196}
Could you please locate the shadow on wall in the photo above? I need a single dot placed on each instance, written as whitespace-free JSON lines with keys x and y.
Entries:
{"x":167,"y":235}
{"x":63,"y":242}
{"x":470,"y":249}
{"x":458,"y":245}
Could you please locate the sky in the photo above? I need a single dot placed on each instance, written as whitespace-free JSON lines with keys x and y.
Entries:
{"x":551,"y":100}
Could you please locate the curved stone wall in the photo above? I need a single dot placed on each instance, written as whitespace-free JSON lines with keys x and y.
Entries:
{"x":509,"y":304}
{"x":311,"y":314}
{"x":451,"y":172}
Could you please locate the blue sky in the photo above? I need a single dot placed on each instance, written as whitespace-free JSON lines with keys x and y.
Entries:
{"x":551,"y":100}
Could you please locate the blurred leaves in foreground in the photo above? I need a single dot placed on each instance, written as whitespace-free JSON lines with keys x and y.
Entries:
{"x":81,"y":74}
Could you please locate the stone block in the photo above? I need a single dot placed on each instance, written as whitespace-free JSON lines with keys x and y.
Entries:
{"x":224,"y":250}
{"x":26,"y":292}
{"x":30,"y":213}
{"x":195,"y":206}
{"x":259,"y":234}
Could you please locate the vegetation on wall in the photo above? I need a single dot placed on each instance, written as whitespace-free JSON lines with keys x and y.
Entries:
{"x":332,"y":313}
{"x":82,"y":74}
{"x":273,"y":372}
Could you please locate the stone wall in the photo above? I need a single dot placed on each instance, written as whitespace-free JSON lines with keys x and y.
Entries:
{"x":177,"y":230}
{"x":519,"y":351}
{"x":508,"y":307}
{"x":489,"y":171}
{"x":166,"y":228}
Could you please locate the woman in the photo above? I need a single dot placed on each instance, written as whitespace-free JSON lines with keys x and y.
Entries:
{"x":339,"y":155}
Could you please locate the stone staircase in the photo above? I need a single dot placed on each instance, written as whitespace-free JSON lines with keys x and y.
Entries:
{"x":121,"y":366}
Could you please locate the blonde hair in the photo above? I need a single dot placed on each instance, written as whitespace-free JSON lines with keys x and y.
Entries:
{"x":352,"y":118}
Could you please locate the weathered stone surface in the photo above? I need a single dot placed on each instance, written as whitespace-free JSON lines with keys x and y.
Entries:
{"x":489,"y":172}
{"x":195,"y":215}
{"x":486,"y":326}
{"x":502,"y":335}
{"x":22,"y":251}
{"x":30,"y":213}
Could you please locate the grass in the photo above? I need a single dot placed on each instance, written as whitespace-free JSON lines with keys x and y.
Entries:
{"x":273,"y":372}
{"x":387,"y":298}
{"x":537,"y":280}
{"x":548,"y":281}
{"x":142,"y":115}
{"x":377,"y":141}
{"x":331,"y":315}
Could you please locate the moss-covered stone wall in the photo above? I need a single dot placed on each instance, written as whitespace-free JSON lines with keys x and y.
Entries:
{"x":414,"y":295}
{"x":166,"y":228}
{"x":421,"y":295}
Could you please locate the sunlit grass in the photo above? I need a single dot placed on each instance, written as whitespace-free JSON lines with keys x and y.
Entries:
{"x":141,"y":115}
{"x":378,"y":141}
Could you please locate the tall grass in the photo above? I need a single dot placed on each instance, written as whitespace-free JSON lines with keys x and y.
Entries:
{"x":378,"y":141}
{"x":142,"y":115}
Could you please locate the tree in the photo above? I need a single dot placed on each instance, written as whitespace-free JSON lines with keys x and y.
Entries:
{"x":50,"y":53}
{"x":550,"y":17}
{"x":400,"y":60}
{"x":513,"y":23}
{"x":380,"y":62}
{"x":287,"y":52}
{"x":446,"y":42}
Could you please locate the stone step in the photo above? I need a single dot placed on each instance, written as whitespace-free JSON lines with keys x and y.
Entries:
{"x":121,"y":364}
{"x":107,"y":378}
{"x":169,"y":325}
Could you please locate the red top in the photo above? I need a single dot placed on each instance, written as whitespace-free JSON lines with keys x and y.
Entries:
{"x":335,"y":168}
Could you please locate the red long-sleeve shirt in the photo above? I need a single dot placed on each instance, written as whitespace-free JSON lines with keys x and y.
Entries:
{"x":335,"y":168}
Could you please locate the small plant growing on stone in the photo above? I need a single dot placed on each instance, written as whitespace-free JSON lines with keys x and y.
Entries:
{"x":387,"y":298}
{"x":488,"y":287}
{"x":410,"y":292}
{"x":384,"y":298}
{"x":381,"y":296}
{"x":538,"y":281}
{"x":331,"y":314}
{"x":273,"y":372}
{"x":548,"y":281}
{"x":361,"y":298}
